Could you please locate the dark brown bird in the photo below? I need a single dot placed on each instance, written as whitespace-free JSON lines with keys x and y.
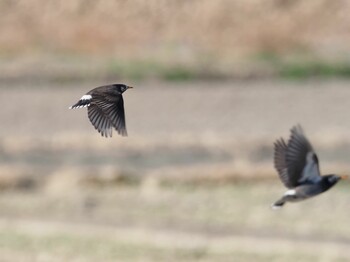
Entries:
{"x":298,"y":168}
{"x":105,"y":107}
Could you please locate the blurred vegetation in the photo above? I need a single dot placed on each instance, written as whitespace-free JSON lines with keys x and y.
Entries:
{"x":303,"y":65}
{"x":315,"y":69}
{"x":173,"y":223}
{"x":139,"y":70}
{"x":173,"y":40}
{"x":195,"y":179}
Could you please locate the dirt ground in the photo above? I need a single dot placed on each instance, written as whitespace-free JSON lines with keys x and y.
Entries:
{"x":173,"y":223}
{"x":68,"y":194}
{"x":226,"y":128}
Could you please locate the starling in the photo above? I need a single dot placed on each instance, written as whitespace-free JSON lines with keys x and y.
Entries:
{"x":297,"y":165}
{"x":105,"y":107}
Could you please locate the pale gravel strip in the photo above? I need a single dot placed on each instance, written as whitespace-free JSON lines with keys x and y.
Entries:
{"x":168,"y":239}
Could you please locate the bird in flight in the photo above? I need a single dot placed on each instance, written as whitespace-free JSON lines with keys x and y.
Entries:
{"x":298,"y":168}
{"x":105,"y":108}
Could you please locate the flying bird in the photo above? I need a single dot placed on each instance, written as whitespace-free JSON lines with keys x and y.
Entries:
{"x":105,"y":108}
{"x":298,"y":168}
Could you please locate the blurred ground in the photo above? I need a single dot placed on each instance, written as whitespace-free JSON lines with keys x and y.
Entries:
{"x":192,"y":182}
{"x":201,"y":129}
{"x":216,"y":83}
{"x":173,"y":223}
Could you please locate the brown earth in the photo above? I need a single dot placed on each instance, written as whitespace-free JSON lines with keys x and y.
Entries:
{"x":189,"y":130}
{"x":203,"y":151}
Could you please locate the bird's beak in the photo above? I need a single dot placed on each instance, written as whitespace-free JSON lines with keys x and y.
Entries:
{"x":344,"y":177}
{"x":129,"y":87}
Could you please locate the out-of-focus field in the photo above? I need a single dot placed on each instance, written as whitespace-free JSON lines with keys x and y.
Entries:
{"x":192,"y":182}
{"x":173,"y":39}
{"x":173,"y":223}
{"x":188,"y":129}
{"x":201,"y":129}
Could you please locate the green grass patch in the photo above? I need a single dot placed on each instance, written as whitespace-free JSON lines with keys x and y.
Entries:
{"x":314,"y":69}
{"x":140,"y":70}
{"x":302,"y":65}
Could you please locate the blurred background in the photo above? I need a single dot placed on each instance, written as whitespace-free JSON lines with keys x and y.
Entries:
{"x":216,"y":83}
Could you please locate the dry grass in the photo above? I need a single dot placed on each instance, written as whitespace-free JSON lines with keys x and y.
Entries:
{"x":119,"y":26}
{"x":219,"y":37}
{"x":173,"y":223}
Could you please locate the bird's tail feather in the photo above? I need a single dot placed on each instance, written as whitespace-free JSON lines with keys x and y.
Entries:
{"x":81,"y":103}
{"x":278,"y":204}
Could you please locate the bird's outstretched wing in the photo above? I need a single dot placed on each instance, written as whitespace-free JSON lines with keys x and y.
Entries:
{"x":296,"y":162}
{"x":280,"y":162}
{"x":99,"y":120}
{"x":106,"y":111}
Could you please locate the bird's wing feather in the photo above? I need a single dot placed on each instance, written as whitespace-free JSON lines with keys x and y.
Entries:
{"x":301,"y":160}
{"x":311,"y":172}
{"x":99,"y":120}
{"x":280,"y":162}
{"x":112,"y":107}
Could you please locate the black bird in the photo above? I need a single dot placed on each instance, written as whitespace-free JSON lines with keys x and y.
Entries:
{"x":105,"y":107}
{"x":298,"y":168}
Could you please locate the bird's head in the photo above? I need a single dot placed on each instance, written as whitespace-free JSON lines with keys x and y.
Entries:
{"x":332,"y":179}
{"x":121,"y":87}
